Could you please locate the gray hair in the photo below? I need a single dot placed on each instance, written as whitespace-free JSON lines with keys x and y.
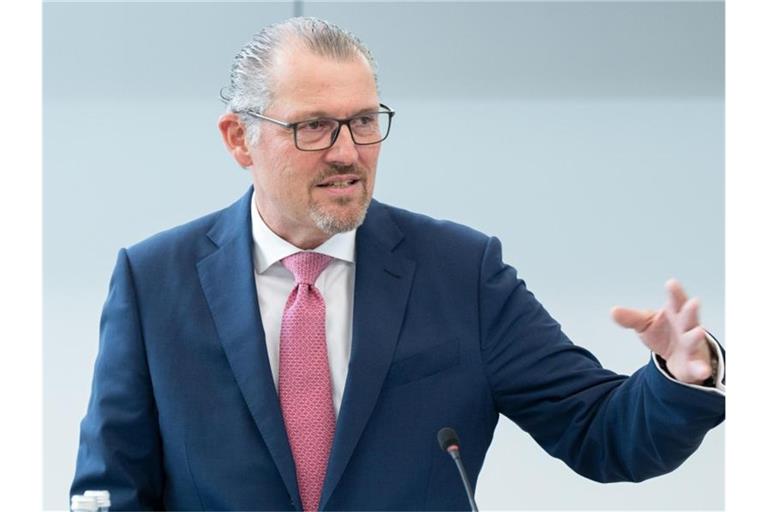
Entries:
{"x":250,"y":81}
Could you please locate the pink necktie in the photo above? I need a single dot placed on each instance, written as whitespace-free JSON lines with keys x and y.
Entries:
{"x":304,"y":380}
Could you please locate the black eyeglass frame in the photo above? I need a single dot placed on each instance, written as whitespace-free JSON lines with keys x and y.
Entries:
{"x":334,"y":135}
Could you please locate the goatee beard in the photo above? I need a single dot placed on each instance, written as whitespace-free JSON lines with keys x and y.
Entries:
{"x":333,"y":224}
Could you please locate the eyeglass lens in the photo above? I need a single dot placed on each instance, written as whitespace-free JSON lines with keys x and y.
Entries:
{"x":320,"y":133}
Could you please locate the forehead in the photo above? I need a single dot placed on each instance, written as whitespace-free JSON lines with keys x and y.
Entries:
{"x":306,"y":83}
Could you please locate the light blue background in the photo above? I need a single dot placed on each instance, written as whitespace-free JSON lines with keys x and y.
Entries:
{"x":587,"y":136}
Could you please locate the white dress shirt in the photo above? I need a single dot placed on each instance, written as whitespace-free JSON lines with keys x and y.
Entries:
{"x":336,"y":284}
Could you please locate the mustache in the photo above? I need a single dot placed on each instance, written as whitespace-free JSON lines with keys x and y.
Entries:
{"x":340,"y":170}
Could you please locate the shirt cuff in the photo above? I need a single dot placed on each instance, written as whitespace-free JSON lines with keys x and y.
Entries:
{"x":718,"y":367}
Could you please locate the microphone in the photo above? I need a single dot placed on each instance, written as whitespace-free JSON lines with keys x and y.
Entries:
{"x":449,"y":442}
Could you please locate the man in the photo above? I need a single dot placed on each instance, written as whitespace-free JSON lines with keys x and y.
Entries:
{"x":301,"y":348}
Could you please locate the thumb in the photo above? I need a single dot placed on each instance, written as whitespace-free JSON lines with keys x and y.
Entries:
{"x":636,"y":319}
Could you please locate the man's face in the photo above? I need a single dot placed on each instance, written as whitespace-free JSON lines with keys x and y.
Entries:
{"x":307,"y":196}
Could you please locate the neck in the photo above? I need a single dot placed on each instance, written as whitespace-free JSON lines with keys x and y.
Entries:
{"x":306,"y":242}
{"x":305,"y":239}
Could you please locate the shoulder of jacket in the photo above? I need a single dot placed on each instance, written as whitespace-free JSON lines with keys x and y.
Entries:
{"x":438,"y":229}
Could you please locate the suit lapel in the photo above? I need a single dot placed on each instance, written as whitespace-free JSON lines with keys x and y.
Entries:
{"x":227,"y":279}
{"x":382,"y":286}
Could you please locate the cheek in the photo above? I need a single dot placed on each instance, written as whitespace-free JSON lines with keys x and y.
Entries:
{"x":370,"y":160}
{"x":297,"y":177}
{"x":278,"y":183}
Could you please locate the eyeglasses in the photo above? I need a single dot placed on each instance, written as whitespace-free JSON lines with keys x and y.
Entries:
{"x":321,"y":133}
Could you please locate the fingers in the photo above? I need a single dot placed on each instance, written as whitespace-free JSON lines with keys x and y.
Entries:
{"x":659,"y":335}
{"x":694,"y":341}
{"x":673,"y":332}
{"x":694,"y":345}
{"x":689,"y":315}
{"x":689,"y":360}
{"x":700,"y":370}
{"x":636,"y":319}
{"x":677,"y":297}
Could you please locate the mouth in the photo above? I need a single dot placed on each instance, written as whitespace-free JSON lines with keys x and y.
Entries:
{"x":339,"y":182}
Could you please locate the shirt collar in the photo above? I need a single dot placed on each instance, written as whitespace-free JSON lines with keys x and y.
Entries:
{"x":270,"y":248}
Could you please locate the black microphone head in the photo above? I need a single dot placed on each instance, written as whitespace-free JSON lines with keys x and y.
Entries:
{"x":447,"y":437}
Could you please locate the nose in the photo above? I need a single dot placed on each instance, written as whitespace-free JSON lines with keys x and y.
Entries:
{"x":344,"y":150}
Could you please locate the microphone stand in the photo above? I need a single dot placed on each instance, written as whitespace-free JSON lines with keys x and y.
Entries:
{"x":454,"y":451}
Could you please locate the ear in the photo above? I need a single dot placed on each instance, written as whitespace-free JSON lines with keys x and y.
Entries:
{"x":233,"y":132}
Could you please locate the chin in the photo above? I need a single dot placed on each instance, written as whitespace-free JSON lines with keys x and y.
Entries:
{"x":340,"y":218}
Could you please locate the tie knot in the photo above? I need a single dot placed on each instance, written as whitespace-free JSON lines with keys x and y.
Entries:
{"x":306,"y":266}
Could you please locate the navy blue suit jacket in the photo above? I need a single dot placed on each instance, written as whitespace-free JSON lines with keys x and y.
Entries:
{"x":184,"y":414}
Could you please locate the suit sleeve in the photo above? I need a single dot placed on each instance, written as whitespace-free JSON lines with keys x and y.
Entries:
{"x":120,"y":447}
{"x":606,"y":427}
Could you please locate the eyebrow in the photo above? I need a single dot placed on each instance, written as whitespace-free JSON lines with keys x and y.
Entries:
{"x":302,"y":116}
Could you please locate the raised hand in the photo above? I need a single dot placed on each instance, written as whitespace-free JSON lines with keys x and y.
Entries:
{"x":674,"y":333}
